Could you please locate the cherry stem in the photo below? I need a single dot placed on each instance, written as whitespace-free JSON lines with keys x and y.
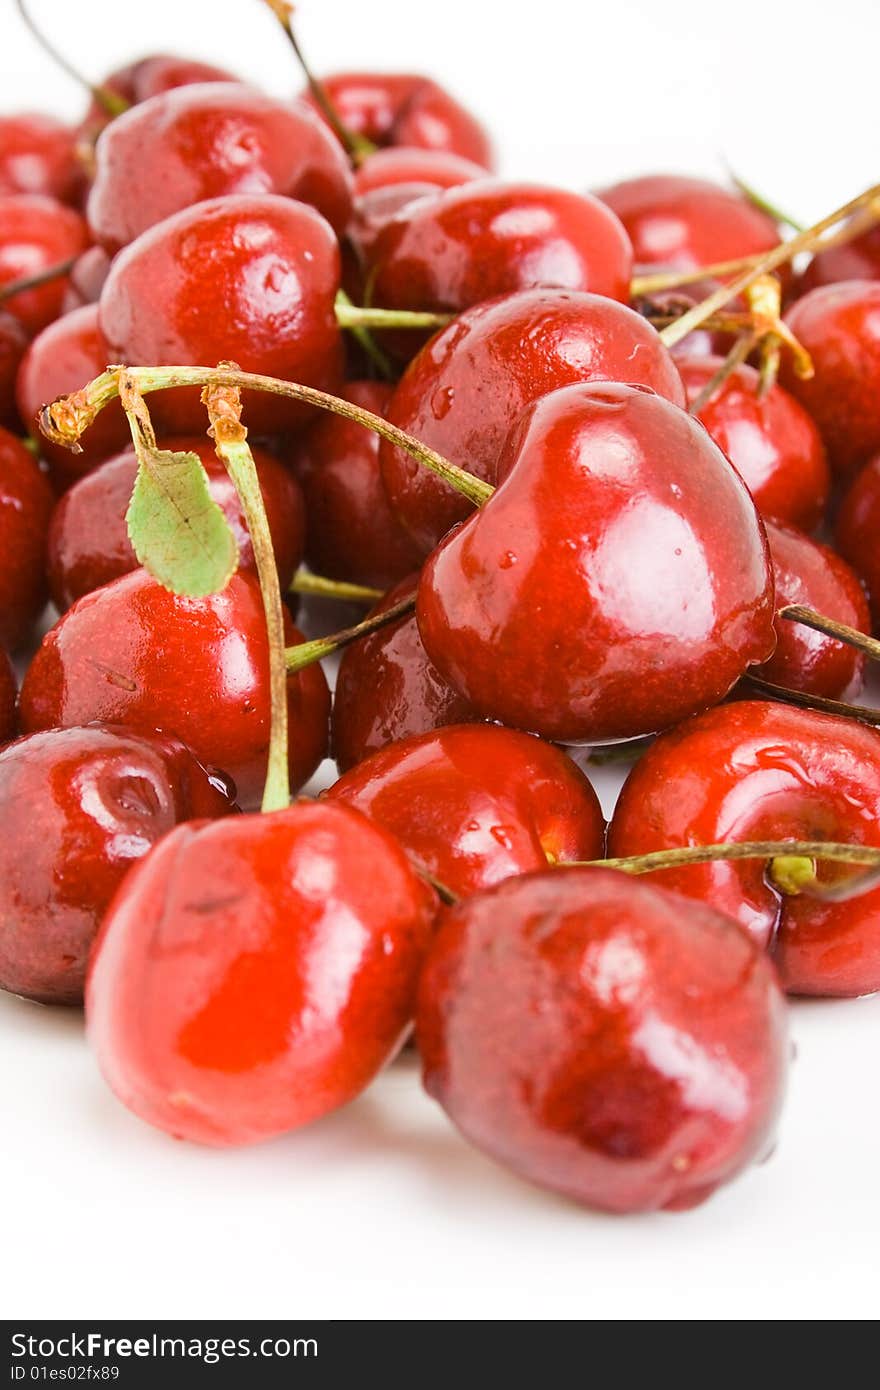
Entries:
{"x":363,"y":336}
{"x":33,"y":282}
{"x":350,"y":315}
{"x":230,"y":444}
{"x":716,"y":323}
{"x":307,"y":653}
{"x":356,"y":146}
{"x":763,"y":204}
{"x":862,"y":713}
{"x":110,"y":101}
{"x":305,"y":583}
{"x":735,"y":358}
{"x":798,"y":613}
{"x":68,"y":417}
{"x":747,"y":849}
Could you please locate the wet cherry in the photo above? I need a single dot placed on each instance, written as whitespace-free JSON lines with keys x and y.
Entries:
{"x":25,"y":508}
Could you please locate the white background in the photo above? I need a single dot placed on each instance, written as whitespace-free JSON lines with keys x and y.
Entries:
{"x":382,"y":1211}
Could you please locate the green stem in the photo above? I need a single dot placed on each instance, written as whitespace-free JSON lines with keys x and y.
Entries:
{"x":306,"y":583}
{"x":307,"y":653}
{"x":110,"y":101}
{"x":363,"y":335}
{"x":786,"y":850}
{"x":797,"y":613}
{"x":763,"y":204}
{"x":355,"y":316}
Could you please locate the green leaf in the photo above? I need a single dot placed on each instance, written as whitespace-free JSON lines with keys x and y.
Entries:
{"x":176,"y":528}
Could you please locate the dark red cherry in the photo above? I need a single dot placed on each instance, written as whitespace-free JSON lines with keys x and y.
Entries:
{"x":37,"y":233}
{"x":475,"y":803}
{"x":387,"y":689}
{"x":604,"y":1038}
{"x":770,"y":439}
{"x":25,"y":508}
{"x":256,"y":973}
{"x":351,"y":532}
{"x":201,"y":142}
{"x":439,"y":168}
{"x":95,"y":801}
{"x":372,"y":213}
{"x":760,"y":771}
{"x":13,"y":344}
{"x":858,"y":259}
{"x":87,"y":277}
{"x":66,"y":355}
{"x":8,"y":699}
{"x":811,"y":574}
{"x":464,"y":390}
{"x":858,"y":529}
{"x":145,"y":78}
{"x":617,"y":581}
{"x":685,"y":223}
{"x":38,"y":155}
{"x":839,"y":325}
{"x":88,"y":537}
{"x":247,"y":279}
{"x":132,"y":653}
{"x":406,"y":109}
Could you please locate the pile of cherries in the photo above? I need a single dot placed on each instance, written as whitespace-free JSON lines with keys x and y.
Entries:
{"x":574,"y":452}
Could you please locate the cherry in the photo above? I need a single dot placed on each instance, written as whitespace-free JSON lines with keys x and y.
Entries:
{"x":132,"y":653}
{"x":25,"y":508}
{"x":200,"y":142}
{"x":37,"y":233}
{"x":475,"y":803}
{"x":758,"y":770}
{"x":770,"y":439}
{"x":88,"y":537}
{"x":839,"y":325}
{"x":464,"y":390}
{"x":387,"y":689}
{"x":249,"y":279}
{"x":8,"y":697}
{"x":87,"y":276}
{"x":857,"y":529}
{"x":97,"y":799}
{"x":858,"y":259}
{"x":256,"y":973}
{"x":437,"y":168}
{"x":352,"y":534}
{"x":13,"y":342}
{"x":810,"y":574}
{"x":603,"y":1038}
{"x":372,"y":213}
{"x":406,"y":109}
{"x":685,"y":223}
{"x":617,"y":581}
{"x":67,"y":354}
{"x":38,"y":155}
{"x":146,"y":78}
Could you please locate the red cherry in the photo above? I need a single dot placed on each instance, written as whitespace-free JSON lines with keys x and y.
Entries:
{"x":67,"y":354}
{"x":25,"y":508}
{"x":13,"y":343}
{"x":810,"y":574}
{"x":617,"y":581}
{"x":438,"y":168}
{"x":372,"y":213}
{"x":256,"y":973}
{"x":132,"y":653}
{"x":88,"y":537}
{"x":87,"y":278}
{"x":38,"y":155}
{"x":97,"y":799}
{"x":770,"y":439}
{"x":839,"y":325}
{"x":761,"y":771}
{"x":8,"y":698}
{"x":387,"y":689}
{"x":200,"y":142}
{"x":685,"y":223}
{"x":246,"y":279}
{"x":464,"y":390}
{"x":604,"y":1038}
{"x":352,"y":534}
{"x":406,"y":109}
{"x":37,"y":233}
{"x":145,"y":78}
{"x":476,"y":803}
{"x":857,"y":530}
{"x":858,"y":259}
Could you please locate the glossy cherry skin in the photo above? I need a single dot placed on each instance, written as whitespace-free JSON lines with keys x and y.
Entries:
{"x":617,"y":581}
{"x":464,"y":390}
{"x":201,"y":142}
{"x":88,"y":538}
{"x":246,"y":279}
{"x":37,"y":233}
{"x":839,"y":325}
{"x":761,"y":771}
{"x":8,"y":698}
{"x":25,"y":508}
{"x":372,"y":213}
{"x":87,"y":277}
{"x":13,"y":345}
{"x":685,"y":223}
{"x":406,"y":109}
{"x":858,"y":528}
{"x":771,"y":441}
{"x":96,"y":800}
{"x":475,"y":803}
{"x":396,"y":165}
{"x":38,"y":155}
{"x":352,"y":533}
{"x":858,"y":259}
{"x":811,"y":574}
{"x":132,"y":653}
{"x":145,"y":78}
{"x":387,"y":689}
{"x":67,"y":354}
{"x":256,"y":973}
{"x":604,"y":1038}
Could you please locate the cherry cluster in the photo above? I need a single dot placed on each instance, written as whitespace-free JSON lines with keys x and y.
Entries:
{"x":605,"y":470}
